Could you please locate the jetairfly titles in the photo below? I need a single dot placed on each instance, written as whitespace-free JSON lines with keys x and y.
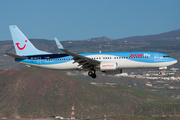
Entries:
{"x":107,"y":62}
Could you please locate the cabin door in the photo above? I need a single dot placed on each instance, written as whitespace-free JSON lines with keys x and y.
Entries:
{"x":39,"y":60}
{"x":156,"y":57}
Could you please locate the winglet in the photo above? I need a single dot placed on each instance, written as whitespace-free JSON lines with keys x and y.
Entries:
{"x":59,"y":45}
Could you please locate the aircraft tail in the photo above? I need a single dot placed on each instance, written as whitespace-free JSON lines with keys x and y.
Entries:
{"x":22,"y":45}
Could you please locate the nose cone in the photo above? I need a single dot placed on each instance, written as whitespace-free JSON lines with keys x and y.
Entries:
{"x":174,"y":61}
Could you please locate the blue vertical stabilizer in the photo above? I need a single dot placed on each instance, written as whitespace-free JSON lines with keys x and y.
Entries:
{"x":22,"y":45}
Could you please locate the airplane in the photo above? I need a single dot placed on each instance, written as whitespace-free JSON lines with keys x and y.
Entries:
{"x":107,"y":62}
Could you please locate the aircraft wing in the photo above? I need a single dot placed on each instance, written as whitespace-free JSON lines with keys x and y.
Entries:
{"x":82,"y":60}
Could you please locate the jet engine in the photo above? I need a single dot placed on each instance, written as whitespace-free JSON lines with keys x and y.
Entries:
{"x":106,"y":66}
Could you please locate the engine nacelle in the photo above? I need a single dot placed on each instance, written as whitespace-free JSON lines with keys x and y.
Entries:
{"x":105,"y":66}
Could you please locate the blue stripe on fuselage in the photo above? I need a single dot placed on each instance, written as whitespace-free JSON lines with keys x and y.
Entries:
{"x":145,"y":57}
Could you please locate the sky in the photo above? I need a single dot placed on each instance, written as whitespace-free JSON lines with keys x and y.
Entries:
{"x":86,"y":19}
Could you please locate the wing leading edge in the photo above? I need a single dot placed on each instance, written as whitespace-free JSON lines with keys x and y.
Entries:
{"x":84,"y":62}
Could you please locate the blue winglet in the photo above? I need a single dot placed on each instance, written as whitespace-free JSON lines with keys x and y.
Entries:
{"x":59,"y":45}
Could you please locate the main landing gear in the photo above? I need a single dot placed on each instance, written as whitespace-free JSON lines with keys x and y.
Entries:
{"x":92,"y":73}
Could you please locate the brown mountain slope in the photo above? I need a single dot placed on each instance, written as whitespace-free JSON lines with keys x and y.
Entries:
{"x":35,"y":92}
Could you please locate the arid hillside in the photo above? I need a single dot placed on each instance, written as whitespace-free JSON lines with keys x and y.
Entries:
{"x":35,"y":92}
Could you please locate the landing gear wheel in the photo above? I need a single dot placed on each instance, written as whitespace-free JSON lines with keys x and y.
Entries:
{"x":93,"y":76}
{"x":92,"y":73}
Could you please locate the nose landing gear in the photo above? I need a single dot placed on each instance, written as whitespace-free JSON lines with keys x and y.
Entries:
{"x":159,"y":73}
{"x":92,"y":73}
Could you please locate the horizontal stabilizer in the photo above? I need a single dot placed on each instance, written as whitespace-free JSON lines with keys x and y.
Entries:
{"x":15,"y":56}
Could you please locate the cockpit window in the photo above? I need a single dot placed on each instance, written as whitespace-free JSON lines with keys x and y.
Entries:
{"x":166,"y":56}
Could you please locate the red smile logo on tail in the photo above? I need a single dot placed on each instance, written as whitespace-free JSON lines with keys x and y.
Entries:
{"x":20,"y":47}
